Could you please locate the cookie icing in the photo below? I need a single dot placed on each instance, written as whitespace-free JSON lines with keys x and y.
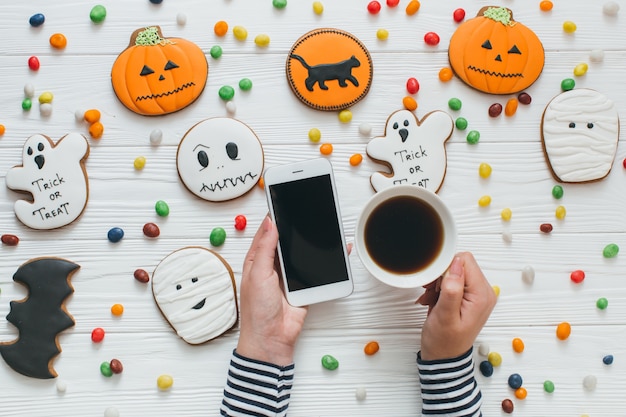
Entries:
{"x":414,"y":150}
{"x":219,"y":159}
{"x":55,"y":176}
{"x":580,"y":132}
{"x":194,"y":288}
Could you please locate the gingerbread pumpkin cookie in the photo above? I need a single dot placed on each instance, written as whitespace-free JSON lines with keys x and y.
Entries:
{"x":414,"y":150}
{"x":157,"y":75}
{"x":329,"y":69}
{"x":495,"y":54}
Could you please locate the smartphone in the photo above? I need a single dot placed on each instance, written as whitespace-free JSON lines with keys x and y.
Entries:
{"x":312,"y":252}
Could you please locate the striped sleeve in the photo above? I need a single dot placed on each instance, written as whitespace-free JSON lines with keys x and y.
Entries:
{"x":255,"y":388}
{"x":449,"y":388}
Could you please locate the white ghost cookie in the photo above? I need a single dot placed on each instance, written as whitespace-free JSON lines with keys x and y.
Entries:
{"x":220,"y":159}
{"x":55,"y":176}
{"x":194,"y":288}
{"x":413,"y":149}
{"x":580,"y":131}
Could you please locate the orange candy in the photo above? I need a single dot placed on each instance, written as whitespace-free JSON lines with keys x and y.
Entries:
{"x":563,"y":330}
{"x":409,"y":103}
{"x":511,"y":107}
{"x":261,"y":183}
{"x":546,"y":6}
{"x":2,"y":130}
{"x":521,"y":393}
{"x":326,"y":149}
{"x":92,"y":116}
{"x":96,"y":130}
{"x":371,"y":348}
{"x":518,"y":345}
{"x":117,"y":309}
{"x":220,"y":28}
{"x":412,"y":7}
{"x":356,"y":159}
{"x":58,"y":41}
{"x":445,"y":74}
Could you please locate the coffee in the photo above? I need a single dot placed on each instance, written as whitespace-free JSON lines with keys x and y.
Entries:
{"x":403,"y":235}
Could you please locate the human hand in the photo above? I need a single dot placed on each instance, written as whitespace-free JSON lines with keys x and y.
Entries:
{"x":459,"y":304}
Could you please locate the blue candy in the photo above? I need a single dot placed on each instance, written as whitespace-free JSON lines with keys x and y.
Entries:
{"x":608,"y":359}
{"x":486,"y":368}
{"x":37,"y":20}
{"x":515,"y":381}
{"x":115,"y":234}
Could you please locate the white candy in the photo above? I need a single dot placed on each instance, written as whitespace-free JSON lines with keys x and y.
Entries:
{"x":597,"y":55}
{"x":365,"y":129}
{"x":79,"y":115}
{"x":360,"y":393}
{"x":507,"y":236}
{"x":528,"y":274}
{"x":610,"y":8}
{"x":483,"y":349}
{"x":231,"y":107}
{"x":181,"y":19}
{"x":156,"y":136}
{"x":590,"y":382}
{"x":111,"y":412}
{"x":45,"y":109}
{"x":29,"y":90}
{"x":61,"y":386}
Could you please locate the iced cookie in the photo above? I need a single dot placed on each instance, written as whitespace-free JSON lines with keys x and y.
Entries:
{"x":195,"y":290}
{"x":495,"y":54}
{"x":329,"y":69}
{"x":40,"y":317}
{"x":219,"y":159}
{"x":55,"y":176}
{"x":413,"y":149}
{"x":580,"y":131}
{"x":157,"y":75}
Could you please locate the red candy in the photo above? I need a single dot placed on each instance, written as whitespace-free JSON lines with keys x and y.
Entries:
{"x":97,"y":335}
{"x":373,"y":7}
{"x":412,"y":85}
{"x":151,"y":230}
{"x":545,"y":227}
{"x":141,"y":275}
{"x":577,"y":276}
{"x":10,"y":240}
{"x":624,"y":163}
{"x":431,"y":38}
{"x":33,"y":63}
{"x":393,"y":3}
{"x":240,"y":222}
{"x":458,"y":15}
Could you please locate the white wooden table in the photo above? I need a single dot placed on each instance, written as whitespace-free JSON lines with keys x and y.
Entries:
{"x":79,"y":78}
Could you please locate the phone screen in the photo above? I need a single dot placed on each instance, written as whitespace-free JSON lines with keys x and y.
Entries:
{"x":309,"y":232}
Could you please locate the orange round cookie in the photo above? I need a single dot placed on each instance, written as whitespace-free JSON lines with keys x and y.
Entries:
{"x":157,"y":75}
{"x":329,"y":69}
{"x":495,"y":54}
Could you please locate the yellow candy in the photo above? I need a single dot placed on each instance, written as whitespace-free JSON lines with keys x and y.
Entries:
{"x":315,"y":135}
{"x":318,"y":7}
{"x":569,"y":27}
{"x":484,"y":170}
{"x":345,"y":116}
{"x":494,"y":359}
{"x":580,"y":69}
{"x":382,"y":34}
{"x":165,"y":382}
{"x":484,"y":201}
{"x":560,"y":212}
{"x":140,"y":162}
{"x":117,"y":309}
{"x":240,"y":33}
{"x":506,"y":214}
{"x":262,"y":40}
{"x":496,"y":289}
{"x":46,"y":97}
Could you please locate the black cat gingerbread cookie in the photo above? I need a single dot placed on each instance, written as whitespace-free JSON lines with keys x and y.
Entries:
{"x":329,"y":69}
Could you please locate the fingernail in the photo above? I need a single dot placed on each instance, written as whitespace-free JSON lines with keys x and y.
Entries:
{"x":267,"y":224}
{"x":456,"y":267}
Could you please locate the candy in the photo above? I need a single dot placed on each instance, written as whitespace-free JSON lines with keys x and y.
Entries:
{"x":610,"y":251}
{"x":98,"y":13}
{"x":494,"y":358}
{"x":382,"y":34}
{"x":217,"y":236}
{"x":486,"y":368}
{"x":545,"y":227}
{"x":97,"y":335}
{"x":484,"y":170}
{"x":37,"y":20}
{"x":117,"y":309}
{"x":596,"y":55}
{"x":279,"y":4}
{"x":577,"y":276}
{"x":373,"y":7}
{"x":365,"y":129}
{"x":240,"y":33}
{"x":46,"y":97}
{"x":58,"y":41}
{"x":515,"y":381}
{"x":602,"y":303}
{"x":220,"y":28}
{"x":141,"y":275}
{"x":360,"y":394}
{"x":458,"y":15}
{"x":507,"y":406}
{"x":412,"y":7}
{"x":33,"y":63}
{"x":528,"y":274}
{"x":181,"y":19}
{"x":156,"y":136}
{"x":111,"y":412}
{"x":483,"y":349}
{"x":240,"y":222}
{"x":412,"y":85}
{"x":610,"y":8}
{"x":245,"y":84}
{"x":546,"y":5}
{"x":569,"y":26}
{"x":326,"y":148}
{"x":409,"y":103}
{"x":61,"y":386}
{"x":563,"y":330}
{"x":524,"y":98}
{"x":165,"y":382}
{"x":580,"y":69}
{"x":116,"y":366}
{"x":156,"y":1}
{"x":521,"y":393}
{"x":96,"y":130}
{"x":231,"y":107}
{"x":496,"y":289}
{"x":226,"y":92}
{"x":548,"y":386}
{"x":560,"y":212}
{"x":2,"y":129}
{"x":329,"y":362}
{"x":511,"y":107}
{"x":518,"y":345}
{"x":45,"y":109}
{"x":151,"y":230}
{"x":262,"y":40}
{"x":10,"y":240}
{"x":393,"y":3}
{"x":445,"y":74}
{"x":318,"y":7}
{"x":29,"y":91}
{"x":345,"y":116}
{"x":431,"y":38}
{"x":315,"y":135}
{"x":506,"y":214}
{"x":371,"y":348}
{"x":215,"y":51}
{"x":105,"y":369}
{"x":455,"y":104}
{"x":161,"y":208}
{"x":607,"y":360}
{"x":484,"y":201}
{"x":356,"y":159}
{"x":461,"y":123}
{"x":139,"y":163}
{"x":590,"y":382}
{"x":91,"y":115}
{"x":495,"y":110}
{"x":557,"y":192}
{"x":473,"y":137}
{"x":115,"y":234}
{"x":27,"y":103}
{"x":568,"y":84}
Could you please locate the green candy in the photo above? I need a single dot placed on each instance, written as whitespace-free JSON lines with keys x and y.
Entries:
{"x":161,"y":208}
{"x":454,"y":104}
{"x":548,"y":386}
{"x":216,"y":51}
{"x":568,"y":84}
{"x":610,"y":251}
{"x":27,"y":103}
{"x":461,"y":123}
{"x":245,"y":84}
{"x":602,"y":303}
{"x":329,"y":362}
{"x":473,"y":137}
{"x":98,"y":13}
{"x":217,"y":236}
{"x":557,"y":192}
{"x":105,"y":369}
{"x":279,"y":4}
{"x":227,"y":92}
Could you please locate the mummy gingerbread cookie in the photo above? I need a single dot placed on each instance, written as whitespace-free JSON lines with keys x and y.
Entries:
{"x":55,"y":176}
{"x":195,"y":290}
{"x":413,"y":149}
{"x":219,"y":159}
{"x":580,"y":131}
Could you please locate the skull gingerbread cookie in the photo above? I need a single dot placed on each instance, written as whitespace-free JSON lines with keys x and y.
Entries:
{"x":194,"y":288}
{"x":220,"y":159}
{"x":414,"y":150}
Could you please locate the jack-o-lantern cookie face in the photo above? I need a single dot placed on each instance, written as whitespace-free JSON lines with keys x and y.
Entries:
{"x":414,"y":149}
{"x":157,"y":75}
{"x":220,"y":159}
{"x":329,"y":69}
{"x":495,"y":54}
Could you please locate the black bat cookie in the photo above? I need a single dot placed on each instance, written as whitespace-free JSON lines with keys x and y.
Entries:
{"x":40,"y":317}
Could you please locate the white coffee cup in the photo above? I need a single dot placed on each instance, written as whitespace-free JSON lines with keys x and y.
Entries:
{"x":440,"y":255}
